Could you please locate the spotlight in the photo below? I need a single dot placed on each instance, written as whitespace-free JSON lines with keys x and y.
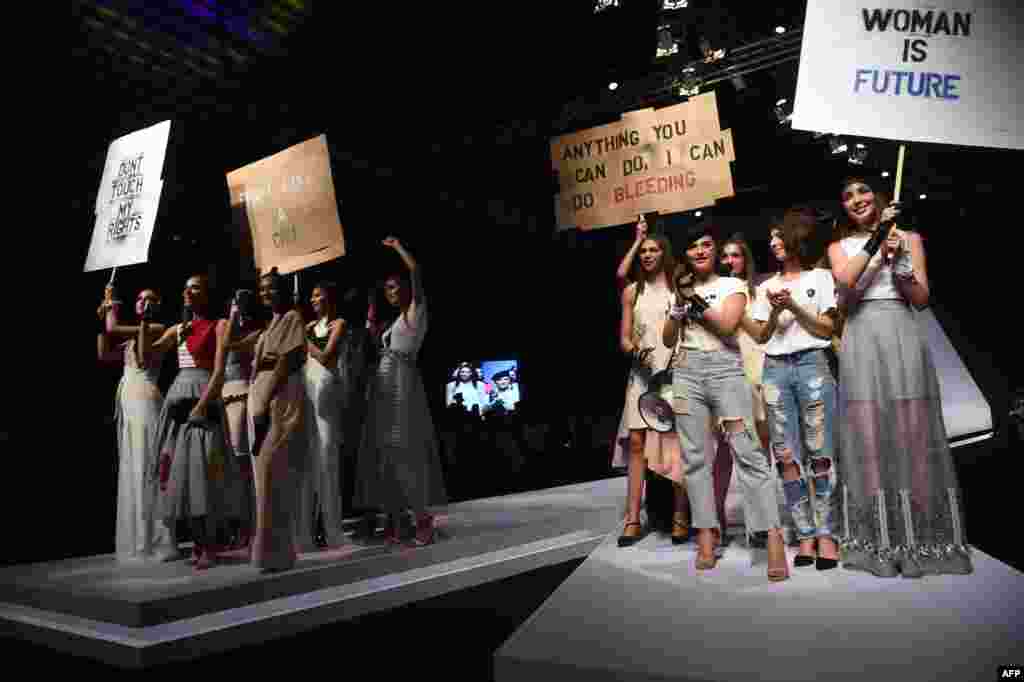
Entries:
{"x":613,"y":85}
{"x":602,"y":5}
{"x":699,"y":213}
{"x":667,"y":45}
{"x":780,"y":29}
{"x":837,"y":145}
{"x":923,"y":196}
{"x":669,"y":5}
{"x":689,"y":84}
{"x":885,"y":174}
{"x":858,"y":155}
{"x":783,"y":112}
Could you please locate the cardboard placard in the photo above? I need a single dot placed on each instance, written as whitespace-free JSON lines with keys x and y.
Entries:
{"x":288,"y":203}
{"x":128,"y":199}
{"x":941,"y":71}
{"x":666,"y":160}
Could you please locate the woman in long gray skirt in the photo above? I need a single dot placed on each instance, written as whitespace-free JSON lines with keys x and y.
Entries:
{"x":901,"y":506}
{"x":193,"y":476}
{"x":399,"y":467}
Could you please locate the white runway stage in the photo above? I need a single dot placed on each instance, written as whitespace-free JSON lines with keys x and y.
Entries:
{"x":137,"y":615}
{"x":644,"y":614}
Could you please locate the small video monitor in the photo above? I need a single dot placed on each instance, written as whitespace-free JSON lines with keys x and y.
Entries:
{"x":488,"y":388}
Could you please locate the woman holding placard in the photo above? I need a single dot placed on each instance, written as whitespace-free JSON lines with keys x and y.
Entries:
{"x":708,"y":381}
{"x":645,"y":303}
{"x":276,"y":419}
{"x":794,"y":317}
{"x":901,"y":503}
{"x":399,"y":467}
{"x":325,"y":377}
{"x":193,"y":475}
{"x":138,"y":405}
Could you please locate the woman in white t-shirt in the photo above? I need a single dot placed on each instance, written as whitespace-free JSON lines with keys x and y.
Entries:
{"x":901,"y":504}
{"x":794,"y":318}
{"x":708,"y":379}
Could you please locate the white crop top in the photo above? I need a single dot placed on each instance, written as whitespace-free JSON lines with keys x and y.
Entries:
{"x":882,"y":287}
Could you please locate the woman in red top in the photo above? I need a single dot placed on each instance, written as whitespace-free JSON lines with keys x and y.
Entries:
{"x":193,"y":469}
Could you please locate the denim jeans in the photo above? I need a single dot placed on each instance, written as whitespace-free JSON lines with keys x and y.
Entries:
{"x":800,"y":396}
{"x":709,"y":383}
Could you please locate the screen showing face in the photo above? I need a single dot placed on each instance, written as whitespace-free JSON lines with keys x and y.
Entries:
{"x":489,"y":388}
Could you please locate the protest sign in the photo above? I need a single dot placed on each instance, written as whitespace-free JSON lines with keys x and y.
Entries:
{"x":666,"y":160}
{"x":947,"y":72}
{"x":128,"y":199}
{"x":288,"y":204}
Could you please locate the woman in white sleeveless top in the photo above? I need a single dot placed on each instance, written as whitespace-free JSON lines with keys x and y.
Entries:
{"x":399,"y":465}
{"x":320,"y":494}
{"x":901,"y":504}
{"x":138,"y":404}
{"x":645,"y":303}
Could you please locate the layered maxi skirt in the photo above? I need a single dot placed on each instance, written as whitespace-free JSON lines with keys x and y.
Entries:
{"x":193,"y":474}
{"x":399,"y":464}
{"x":899,"y":497}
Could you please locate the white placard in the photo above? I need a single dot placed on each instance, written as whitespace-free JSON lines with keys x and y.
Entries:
{"x":939,"y":71}
{"x":128,"y":198}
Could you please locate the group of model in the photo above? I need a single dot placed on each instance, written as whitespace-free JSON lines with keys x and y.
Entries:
{"x":250,"y":432}
{"x":862,"y":451}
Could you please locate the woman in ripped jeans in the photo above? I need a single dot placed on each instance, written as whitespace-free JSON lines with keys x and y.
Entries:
{"x":708,"y":380}
{"x":795,"y":317}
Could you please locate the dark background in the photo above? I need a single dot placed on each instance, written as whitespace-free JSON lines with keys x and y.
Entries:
{"x":439,"y":119}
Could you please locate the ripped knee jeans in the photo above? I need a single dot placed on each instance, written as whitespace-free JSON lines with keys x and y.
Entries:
{"x":800,"y":400}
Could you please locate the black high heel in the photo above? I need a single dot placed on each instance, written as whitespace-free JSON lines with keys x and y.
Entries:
{"x":804,"y":560}
{"x":825,"y":564}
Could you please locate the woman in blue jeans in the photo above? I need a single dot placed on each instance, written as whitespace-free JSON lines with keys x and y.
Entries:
{"x":795,"y":314}
{"x":708,"y":380}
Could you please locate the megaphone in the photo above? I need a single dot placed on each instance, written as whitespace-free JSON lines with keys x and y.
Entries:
{"x":655,"y":404}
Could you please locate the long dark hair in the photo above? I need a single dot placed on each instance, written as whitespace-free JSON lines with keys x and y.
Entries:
{"x":667,"y":266}
{"x":843,"y":227}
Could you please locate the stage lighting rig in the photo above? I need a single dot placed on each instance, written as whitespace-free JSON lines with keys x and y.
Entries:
{"x":670,"y":5}
{"x":837,"y":145}
{"x":667,"y":44}
{"x":858,"y":154}
{"x":783,"y":112}
{"x":602,"y":5}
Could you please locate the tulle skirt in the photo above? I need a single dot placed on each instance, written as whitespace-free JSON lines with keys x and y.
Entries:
{"x":900,"y":501}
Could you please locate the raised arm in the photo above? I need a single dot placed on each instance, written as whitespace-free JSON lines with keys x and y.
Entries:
{"x":411,"y":265}
{"x":622,"y":274}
